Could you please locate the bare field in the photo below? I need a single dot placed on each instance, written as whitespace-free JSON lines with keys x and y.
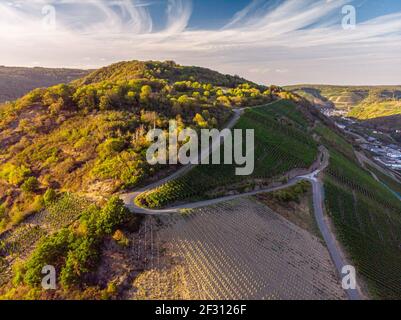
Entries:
{"x":236,"y":250}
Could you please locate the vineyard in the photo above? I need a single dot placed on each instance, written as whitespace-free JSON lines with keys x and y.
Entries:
{"x":367,"y":218}
{"x":387,"y":180}
{"x":332,"y":139}
{"x":239,"y":250}
{"x":282,"y":143}
{"x":20,"y":242}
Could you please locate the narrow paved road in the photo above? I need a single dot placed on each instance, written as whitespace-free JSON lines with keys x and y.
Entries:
{"x":318,"y":201}
{"x":334,"y":249}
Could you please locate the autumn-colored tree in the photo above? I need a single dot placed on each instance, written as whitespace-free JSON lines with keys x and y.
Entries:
{"x":146,"y":92}
{"x":200,"y":121}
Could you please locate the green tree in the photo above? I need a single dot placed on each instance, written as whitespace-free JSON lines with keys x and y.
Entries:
{"x":2,"y":211}
{"x":224,"y":101}
{"x":184,"y":100}
{"x":111,"y":146}
{"x":79,"y":261}
{"x":105,"y":103}
{"x":87,"y":99}
{"x":146,"y":92}
{"x":111,"y":216}
{"x":49,"y":251}
{"x":50,"y":196}
{"x":30,"y":185}
{"x":14,"y":174}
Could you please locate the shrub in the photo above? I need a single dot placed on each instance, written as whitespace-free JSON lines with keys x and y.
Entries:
{"x":112,"y":215}
{"x":2,"y":211}
{"x":37,"y":204}
{"x":79,"y":261}
{"x":200,"y":121}
{"x":30,"y":185}
{"x":111,"y":146}
{"x":50,"y":196}
{"x":14,"y":174}
{"x":146,"y":92}
{"x":121,"y":238}
{"x":105,"y":103}
{"x":293,"y":193}
{"x":18,"y":271}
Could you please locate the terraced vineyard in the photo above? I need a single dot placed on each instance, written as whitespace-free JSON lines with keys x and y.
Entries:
{"x":63,"y":212}
{"x":281,"y":144}
{"x":367,"y":218}
{"x":243,"y":250}
{"x":387,"y":180}
{"x":19,"y":242}
{"x":335,"y":141}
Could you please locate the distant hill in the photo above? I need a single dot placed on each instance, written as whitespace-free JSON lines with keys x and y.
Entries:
{"x":361,"y":102}
{"x":376,"y":109}
{"x":390,"y":123}
{"x":16,"y":81}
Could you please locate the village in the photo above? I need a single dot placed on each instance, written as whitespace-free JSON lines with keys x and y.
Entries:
{"x":388,"y":155}
{"x":384,"y":153}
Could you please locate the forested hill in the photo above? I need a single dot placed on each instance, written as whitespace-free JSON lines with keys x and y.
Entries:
{"x":15,"y":82}
{"x":88,"y":136}
{"x":168,"y":70}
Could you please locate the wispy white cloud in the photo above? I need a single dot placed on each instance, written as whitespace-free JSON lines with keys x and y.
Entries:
{"x":178,"y":15}
{"x":245,"y":13}
{"x":283,"y":41}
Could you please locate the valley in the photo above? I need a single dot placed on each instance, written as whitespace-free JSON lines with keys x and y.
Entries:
{"x":78,"y":193}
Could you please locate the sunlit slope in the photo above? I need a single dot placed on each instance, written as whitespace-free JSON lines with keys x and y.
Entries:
{"x":366,"y":111}
{"x":365,"y":102}
{"x":282,"y":143}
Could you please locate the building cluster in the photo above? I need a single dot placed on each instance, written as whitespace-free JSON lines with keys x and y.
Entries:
{"x":388,"y":155}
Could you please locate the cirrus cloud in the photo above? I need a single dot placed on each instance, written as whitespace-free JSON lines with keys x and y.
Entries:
{"x":303,"y":37}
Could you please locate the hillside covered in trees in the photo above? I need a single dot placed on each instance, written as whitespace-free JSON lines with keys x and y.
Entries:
{"x":88,"y":136}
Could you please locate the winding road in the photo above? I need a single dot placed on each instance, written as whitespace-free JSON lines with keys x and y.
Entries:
{"x":333,"y":247}
{"x":335,"y":251}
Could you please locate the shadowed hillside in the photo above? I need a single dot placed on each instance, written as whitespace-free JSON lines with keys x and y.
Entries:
{"x":15,"y":82}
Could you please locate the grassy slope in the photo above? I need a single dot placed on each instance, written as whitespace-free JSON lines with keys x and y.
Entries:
{"x":281,"y":143}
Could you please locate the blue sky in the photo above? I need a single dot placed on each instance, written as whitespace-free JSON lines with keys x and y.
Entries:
{"x":217,"y":13}
{"x":267,"y":41}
